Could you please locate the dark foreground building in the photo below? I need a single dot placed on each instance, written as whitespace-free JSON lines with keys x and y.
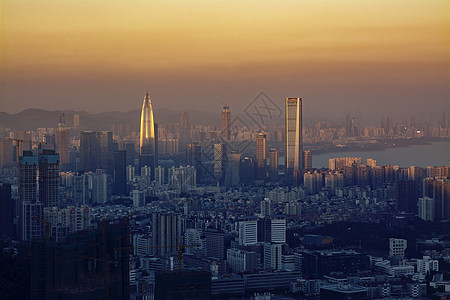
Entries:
{"x":316,"y":264}
{"x":183,"y":284}
{"x":88,"y":265}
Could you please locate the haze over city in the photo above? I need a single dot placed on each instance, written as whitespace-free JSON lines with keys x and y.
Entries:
{"x":372,"y":57}
{"x":212,"y":150}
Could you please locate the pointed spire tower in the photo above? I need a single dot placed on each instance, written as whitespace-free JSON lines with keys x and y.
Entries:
{"x":148,"y":136}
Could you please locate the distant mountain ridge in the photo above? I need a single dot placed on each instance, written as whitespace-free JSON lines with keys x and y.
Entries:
{"x":33,"y":118}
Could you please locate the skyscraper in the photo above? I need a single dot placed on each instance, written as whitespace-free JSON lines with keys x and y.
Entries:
{"x":6,"y":212}
{"x":226,"y":121}
{"x":148,"y":136}
{"x":185,"y":129}
{"x":49,"y":178}
{"x":120,"y":178}
{"x":62,"y":142}
{"x":261,"y":146}
{"x":232,"y":176}
{"x":193,"y":154}
{"x":273,"y":164}
{"x":30,"y":228}
{"x":105,"y":151}
{"x":220,"y":158}
{"x":88,"y":151}
{"x":294,"y":140}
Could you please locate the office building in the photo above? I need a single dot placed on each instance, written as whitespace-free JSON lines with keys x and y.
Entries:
{"x":89,"y":151}
{"x":6,"y":154}
{"x":105,"y":158}
{"x":49,"y":178}
{"x":272,"y":229}
{"x":226,"y":123}
{"x":120,"y":175}
{"x":232,"y":173}
{"x":148,"y":136}
{"x":273,"y":164}
{"x":294,"y":140}
{"x":272,"y":256}
{"x":248,"y":231}
{"x":220,"y":162}
{"x":214,"y":242}
{"x":261,"y":146}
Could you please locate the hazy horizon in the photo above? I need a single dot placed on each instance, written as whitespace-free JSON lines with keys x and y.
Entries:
{"x":371,"y":58}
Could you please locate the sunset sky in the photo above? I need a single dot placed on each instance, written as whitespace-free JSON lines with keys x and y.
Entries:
{"x":375,"y":57}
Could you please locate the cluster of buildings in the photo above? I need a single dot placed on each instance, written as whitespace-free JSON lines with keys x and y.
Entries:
{"x":216,"y":222}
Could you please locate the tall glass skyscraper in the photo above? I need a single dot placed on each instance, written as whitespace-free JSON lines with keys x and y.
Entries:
{"x":226,"y":121}
{"x":294,"y":140}
{"x":148,"y":136}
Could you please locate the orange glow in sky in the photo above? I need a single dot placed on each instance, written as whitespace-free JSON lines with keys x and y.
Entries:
{"x":248,"y":45}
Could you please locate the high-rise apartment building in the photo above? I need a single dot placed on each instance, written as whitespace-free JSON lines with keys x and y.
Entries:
{"x":261,"y":152}
{"x":307,"y":160}
{"x":294,"y":140}
{"x":166,"y":233}
{"x":148,"y":136}
{"x":49,"y":178}
{"x":226,"y":123}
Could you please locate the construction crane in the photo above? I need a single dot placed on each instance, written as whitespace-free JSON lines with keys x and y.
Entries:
{"x":48,"y":226}
{"x":19,"y":141}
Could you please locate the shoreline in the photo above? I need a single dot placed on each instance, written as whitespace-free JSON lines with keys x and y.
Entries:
{"x":380,"y":145}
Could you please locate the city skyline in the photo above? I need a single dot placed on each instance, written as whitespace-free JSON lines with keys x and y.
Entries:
{"x":369,"y":57}
{"x":224,"y":149}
